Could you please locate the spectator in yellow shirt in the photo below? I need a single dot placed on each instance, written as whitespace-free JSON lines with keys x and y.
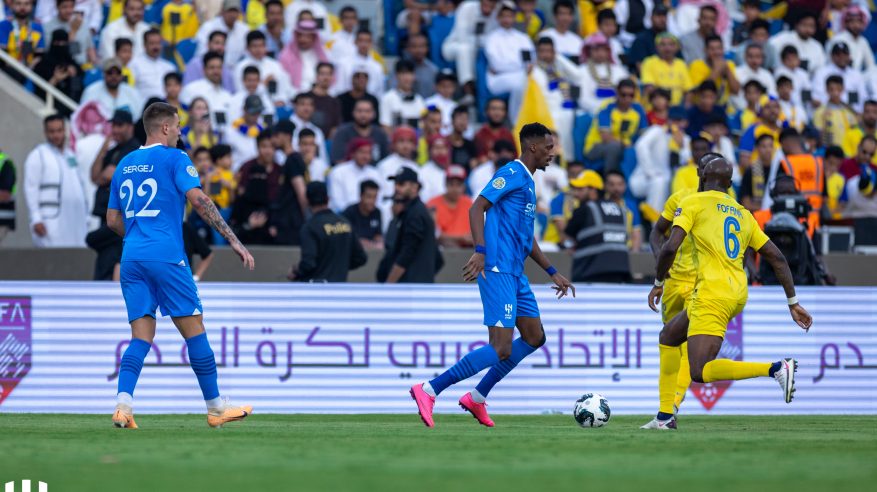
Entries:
{"x":178,"y":22}
{"x":834,"y":181}
{"x":868,"y":127}
{"x":834,"y":119}
{"x":221,"y":183}
{"x":716,"y":68}
{"x":666,"y":71}
{"x":617,"y":126}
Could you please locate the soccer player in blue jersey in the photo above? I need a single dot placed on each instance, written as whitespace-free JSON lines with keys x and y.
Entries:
{"x":147,"y":202}
{"x":503,"y":241}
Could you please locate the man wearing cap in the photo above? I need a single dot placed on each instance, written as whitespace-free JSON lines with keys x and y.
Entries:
{"x":344,"y":178}
{"x":228,"y":22}
{"x":599,"y":231}
{"x":329,"y":248}
{"x":149,"y":68}
{"x":507,"y":67}
{"x":111,"y":93}
{"x":362,"y":126}
{"x":659,"y":150}
{"x":241,"y":134}
{"x":854,"y":83}
{"x":412,"y":255}
{"x":472,"y":20}
{"x":209,"y":88}
{"x":855,"y":19}
{"x":104,"y":241}
{"x":130,"y":26}
{"x":451,"y":210}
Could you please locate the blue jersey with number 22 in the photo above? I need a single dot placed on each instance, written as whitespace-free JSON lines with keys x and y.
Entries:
{"x":149,"y":189}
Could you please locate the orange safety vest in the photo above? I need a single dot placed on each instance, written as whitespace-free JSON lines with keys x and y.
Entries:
{"x":762,"y":217}
{"x":809,"y":175}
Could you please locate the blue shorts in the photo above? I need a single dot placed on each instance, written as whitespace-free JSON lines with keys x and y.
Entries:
{"x":147,"y":285}
{"x":505,"y":297}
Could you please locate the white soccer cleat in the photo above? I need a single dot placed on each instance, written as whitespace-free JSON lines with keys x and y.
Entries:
{"x":669,"y":424}
{"x":785,"y":376}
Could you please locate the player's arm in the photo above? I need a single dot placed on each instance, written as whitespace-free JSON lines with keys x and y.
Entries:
{"x":666,"y":257}
{"x":561,"y":284}
{"x":770,"y":253}
{"x":115,"y":221}
{"x":208,"y":211}
{"x":659,"y":235}
{"x":475,"y":265}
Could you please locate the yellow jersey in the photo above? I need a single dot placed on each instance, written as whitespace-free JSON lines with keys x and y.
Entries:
{"x":683,"y":267}
{"x":671,"y":76}
{"x":186,"y":29}
{"x":721,"y":230}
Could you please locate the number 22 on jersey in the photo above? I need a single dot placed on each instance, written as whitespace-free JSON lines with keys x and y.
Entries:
{"x":127,"y":191}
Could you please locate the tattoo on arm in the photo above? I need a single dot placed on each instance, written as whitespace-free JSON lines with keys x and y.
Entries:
{"x":208,"y":211}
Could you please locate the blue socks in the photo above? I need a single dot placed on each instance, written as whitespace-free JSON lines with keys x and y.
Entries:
{"x":520,"y":350}
{"x":204,"y":364}
{"x":132,"y":363}
{"x":773,"y":368}
{"x":468,"y":366}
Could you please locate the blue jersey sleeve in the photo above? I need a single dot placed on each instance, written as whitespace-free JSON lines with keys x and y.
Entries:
{"x":185,"y":175}
{"x":5,"y":31}
{"x":604,"y":117}
{"x":747,"y":141}
{"x":643,"y":118}
{"x":41,"y":42}
{"x":114,"y":194}
{"x":504,"y":181}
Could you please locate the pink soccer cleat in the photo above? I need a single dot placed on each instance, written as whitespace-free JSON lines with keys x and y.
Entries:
{"x":424,"y":404}
{"x":478,"y":410}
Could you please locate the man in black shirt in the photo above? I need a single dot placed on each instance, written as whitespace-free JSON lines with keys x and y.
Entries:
{"x":412,"y":253}
{"x":196,"y":245}
{"x":463,"y":150}
{"x":348,"y":99}
{"x":329,"y":249}
{"x":105,"y":242}
{"x":7,"y":196}
{"x":289,"y":213}
{"x":365,"y":216}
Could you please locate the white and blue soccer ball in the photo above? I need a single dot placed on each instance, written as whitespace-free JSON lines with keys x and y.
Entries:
{"x":592,"y":410}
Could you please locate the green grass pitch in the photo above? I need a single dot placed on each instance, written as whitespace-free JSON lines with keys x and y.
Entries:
{"x":395,"y":452}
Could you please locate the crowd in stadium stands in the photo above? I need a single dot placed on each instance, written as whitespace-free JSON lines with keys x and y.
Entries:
{"x":276,"y":94}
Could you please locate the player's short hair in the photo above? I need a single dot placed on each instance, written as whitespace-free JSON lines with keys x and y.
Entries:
{"x":835,"y":151}
{"x":626,"y":83}
{"x":531,"y":131}
{"x":301,"y":96}
{"x":563,"y":4}
{"x":756,"y":84}
{"x":265,"y":134}
{"x":460,"y":110}
{"x":216,"y":33}
{"x":834,"y":79}
{"x":615,"y":173}
{"x":209,"y":56}
{"x":405,"y":66}
{"x":251,"y":69}
{"x":363,"y":31}
{"x":273,"y":2}
{"x":368,"y":185}
{"x":783,"y":80}
{"x":606,"y":14}
{"x":759,"y":24}
{"x":708,"y":86}
{"x":119,"y":43}
{"x":660,"y":92}
{"x":306,"y":133}
{"x":151,"y":32}
{"x":546,"y":41}
{"x":346,"y":10}
{"x":175,"y":76}
{"x":711,"y":39}
{"x":255,"y":36}
{"x":764,"y":137}
{"x":788,"y":51}
{"x":325,"y":65}
{"x":219,"y":151}
{"x":200,"y":150}
{"x":51,"y":118}
{"x":156,"y":114}
{"x":789,"y":133}
{"x":754,"y":46}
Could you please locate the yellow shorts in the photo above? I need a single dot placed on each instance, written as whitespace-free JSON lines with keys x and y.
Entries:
{"x":675,"y":298}
{"x":711,"y":316}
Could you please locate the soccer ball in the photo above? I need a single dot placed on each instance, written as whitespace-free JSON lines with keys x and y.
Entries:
{"x":592,"y":410}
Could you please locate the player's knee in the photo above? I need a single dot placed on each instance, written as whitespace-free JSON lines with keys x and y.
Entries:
{"x":503,"y":352}
{"x":696,"y":374}
{"x":664,"y":337}
{"x":538,"y":340}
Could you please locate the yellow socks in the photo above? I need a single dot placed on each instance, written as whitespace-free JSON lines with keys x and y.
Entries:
{"x":683,"y":380}
{"x":669,"y":369}
{"x":725,"y":369}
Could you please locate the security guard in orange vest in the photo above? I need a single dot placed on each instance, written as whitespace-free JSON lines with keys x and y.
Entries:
{"x":806,"y":169}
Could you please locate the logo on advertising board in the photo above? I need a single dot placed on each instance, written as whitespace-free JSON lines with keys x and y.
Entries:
{"x":732,"y":348}
{"x":15,"y":343}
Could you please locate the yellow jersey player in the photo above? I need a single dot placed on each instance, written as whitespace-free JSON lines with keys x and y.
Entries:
{"x":720,"y":231}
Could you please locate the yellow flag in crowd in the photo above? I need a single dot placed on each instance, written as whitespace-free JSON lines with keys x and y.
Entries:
{"x":533,"y":109}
